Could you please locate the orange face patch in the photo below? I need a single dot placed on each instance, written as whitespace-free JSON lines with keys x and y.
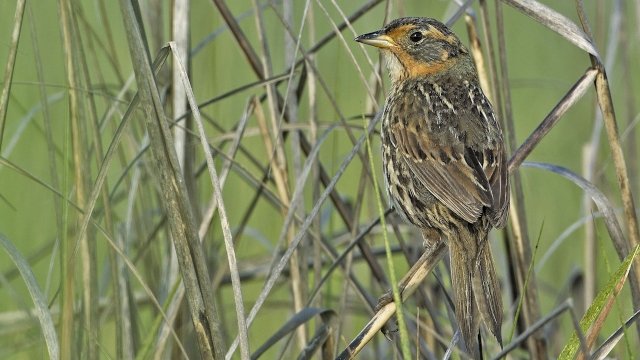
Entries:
{"x":422,"y":68}
{"x":415,"y":68}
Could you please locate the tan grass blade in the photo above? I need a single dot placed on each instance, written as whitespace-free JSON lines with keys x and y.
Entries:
{"x":572,"y":96}
{"x":8,"y":164}
{"x":520,"y":244}
{"x":282,"y":261}
{"x":408,"y":286}
{"x":10,"y":66}
{"x":607,"y":346}
{"x":83,"y":249}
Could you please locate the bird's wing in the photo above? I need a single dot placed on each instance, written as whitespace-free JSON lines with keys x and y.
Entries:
{"x":496,"y":172}
{"x":452,"y":172}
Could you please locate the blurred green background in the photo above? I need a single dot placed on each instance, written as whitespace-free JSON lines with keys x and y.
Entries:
{"x":542,"y":66}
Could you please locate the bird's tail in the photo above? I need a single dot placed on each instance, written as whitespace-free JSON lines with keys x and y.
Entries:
{"x":476,"y":288}
{"x":486,"y":288}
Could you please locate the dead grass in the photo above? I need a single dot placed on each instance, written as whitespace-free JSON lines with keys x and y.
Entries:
{"x":278,"y":252}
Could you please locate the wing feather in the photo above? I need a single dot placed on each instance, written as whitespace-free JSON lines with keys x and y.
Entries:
{"x":499,"y":180}
{"x":455,"y":154}
{"x":458,"y":182}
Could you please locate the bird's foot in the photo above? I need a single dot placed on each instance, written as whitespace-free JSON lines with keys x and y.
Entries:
{"x":391,"y":327}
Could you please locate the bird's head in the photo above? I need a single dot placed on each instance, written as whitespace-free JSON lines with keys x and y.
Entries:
{"x":419,"y":47}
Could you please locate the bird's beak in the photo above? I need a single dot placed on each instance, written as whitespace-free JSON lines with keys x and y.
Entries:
{"x":377,"y":39}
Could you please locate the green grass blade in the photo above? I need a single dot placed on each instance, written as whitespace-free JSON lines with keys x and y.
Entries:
{"x":600,"y":305}
{"x":39,"y":300}
{"x":404,"y":334}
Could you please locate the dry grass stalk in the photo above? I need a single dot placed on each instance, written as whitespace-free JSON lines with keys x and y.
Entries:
{"x":328,"y":226}
{"x":182,"y":224}
{"x":9,"y":68}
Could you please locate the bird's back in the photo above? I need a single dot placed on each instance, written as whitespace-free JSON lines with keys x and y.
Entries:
{"x":442,"y":125}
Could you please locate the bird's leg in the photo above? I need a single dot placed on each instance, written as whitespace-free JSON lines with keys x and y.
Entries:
{"x":434,"y":250}
{"x":430,"y":239}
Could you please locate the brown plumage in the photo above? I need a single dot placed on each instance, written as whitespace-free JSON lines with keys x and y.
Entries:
{"x":444,"y":160}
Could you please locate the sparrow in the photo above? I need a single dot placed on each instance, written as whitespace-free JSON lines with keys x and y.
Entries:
{"x":444,"y":160}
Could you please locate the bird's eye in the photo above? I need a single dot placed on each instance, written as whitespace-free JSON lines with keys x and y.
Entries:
{"x":416,"y":36}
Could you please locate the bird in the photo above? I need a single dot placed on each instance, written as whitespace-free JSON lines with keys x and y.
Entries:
{"x":444,"y":162}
